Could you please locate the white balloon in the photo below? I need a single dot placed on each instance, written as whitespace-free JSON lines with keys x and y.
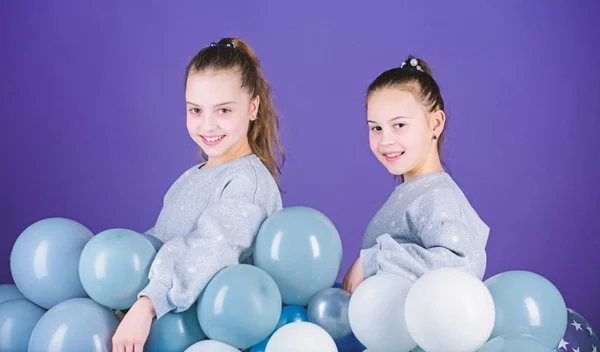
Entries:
{"x":449,"y":310}
{"x":376,"y":313}
{"x":301,"y":337}
{"x":211,"y":346}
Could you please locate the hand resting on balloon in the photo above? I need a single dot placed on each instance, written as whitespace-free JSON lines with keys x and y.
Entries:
{"x":354,"y":276}
{"x":133,"y":330}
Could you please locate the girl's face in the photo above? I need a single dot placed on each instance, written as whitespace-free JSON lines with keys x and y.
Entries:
{"x":401,"y":132}
{"x":219,"y":112}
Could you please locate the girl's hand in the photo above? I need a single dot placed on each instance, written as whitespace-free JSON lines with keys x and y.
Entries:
{"x":354,"y":276}
{"x":133,"y":330}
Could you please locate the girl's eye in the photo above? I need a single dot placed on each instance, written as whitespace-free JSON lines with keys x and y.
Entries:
{"x":194,"y":111}
{"x":224,"y":111}
{"x":375,"y":128}
{"x":398,"y":125}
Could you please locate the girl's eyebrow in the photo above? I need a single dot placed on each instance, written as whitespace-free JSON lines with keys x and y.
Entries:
{"x":392,"y":119}
{"x":220,"y":104}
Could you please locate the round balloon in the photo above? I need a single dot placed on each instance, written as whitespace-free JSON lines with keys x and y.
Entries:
{"x":579,"y":335}
{"x":174,"y":331}
{"x":78,"y":324}
{"x":240,"y":306}
{"x":329,"y":310}
{"x":18,"y":318}
{"x":45,"y":258}
{"x":376,"y":313}
{"x":302,"y":250}
{"x":289,"y":314}
{"x":511,"y":343}
{"x":114,"y":267}
{"x":449,"y":310}
{"x":528,"y":304}
{"x":211,"y":346}
{"x":301,"y":337}
{"x":9,"y":292}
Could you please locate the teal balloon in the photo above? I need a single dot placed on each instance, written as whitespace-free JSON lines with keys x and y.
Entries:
{"x":528,"y":304}
{"x":9,"y":292}
{"x":78,"y":324}
{"x":18,"y":318}
{"x":114,"y":267}
{"x":512,"y":343}
{"x":175,"y":331}
{"x":240,"y":306}
{"x":44,"y":261}
{"x":302,"y":250}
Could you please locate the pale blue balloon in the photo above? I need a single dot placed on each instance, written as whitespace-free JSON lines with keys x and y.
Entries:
{"x":18,"y":318}
{"x":240,"y":306}
{"x":329,"y":310}
{"x":114,"y":267}
{"x":302,"y":251}
{"x":78,"y":324}
{"x":512,"y":343}
{"x":211,"y":346}
{"x":289,"y":314}
{"x":174,"y":331}
{"x":527,"y":304}
{"x":9,"y":292}
{"x":44,"y":261}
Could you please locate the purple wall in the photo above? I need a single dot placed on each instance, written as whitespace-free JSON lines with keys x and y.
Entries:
{"x":93,"y":124}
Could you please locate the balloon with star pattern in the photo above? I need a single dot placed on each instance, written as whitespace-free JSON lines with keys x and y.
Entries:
{"x":579,"y":337}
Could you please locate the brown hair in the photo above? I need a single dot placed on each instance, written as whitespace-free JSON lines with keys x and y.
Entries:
{"x":263,"y":133}
{"x":417,"y":78}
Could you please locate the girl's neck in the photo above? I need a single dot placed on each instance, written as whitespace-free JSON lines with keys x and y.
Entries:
{"x":431,"y":164}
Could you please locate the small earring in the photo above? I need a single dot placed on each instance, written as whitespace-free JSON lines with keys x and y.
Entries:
{"x":434,"y":137}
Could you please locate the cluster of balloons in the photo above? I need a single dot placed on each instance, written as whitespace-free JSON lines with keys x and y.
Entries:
{"x":72,"y":288}
{"x":450,"y":310}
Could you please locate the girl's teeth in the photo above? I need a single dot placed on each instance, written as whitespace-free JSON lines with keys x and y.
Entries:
{"x":214,"y":139}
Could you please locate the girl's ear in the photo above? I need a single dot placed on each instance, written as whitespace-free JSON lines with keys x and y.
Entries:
{"x":437,"y":122}
{"x":254,"y":103}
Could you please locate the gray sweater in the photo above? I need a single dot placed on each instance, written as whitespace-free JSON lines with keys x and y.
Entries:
{"x":427,"y":223}
{"x":209,"y":220}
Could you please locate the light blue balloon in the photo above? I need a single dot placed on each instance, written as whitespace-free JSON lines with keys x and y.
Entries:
{"x":78,"y":324}
{"x":18,"y":318}
{"x":174,"y":331}
{"x":155,"y":241}
{"x":527,"y":304}
{"x":9,"y":292}
{"x":329,"y":310}
{"x":511,"y":343}
{"x":45,"y":258}
{"x":114,"y":267}
{"x":302,"y":250}
{"x":240,"y":306}
{"x":289,"y":314}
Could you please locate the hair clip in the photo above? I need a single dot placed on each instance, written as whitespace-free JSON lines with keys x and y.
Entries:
{"x":229,"y":44}
{"x":414,"y":63}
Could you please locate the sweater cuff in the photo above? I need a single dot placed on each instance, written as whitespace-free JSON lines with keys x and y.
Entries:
{"x":159,"y":295}
{"x":368,"y":261}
